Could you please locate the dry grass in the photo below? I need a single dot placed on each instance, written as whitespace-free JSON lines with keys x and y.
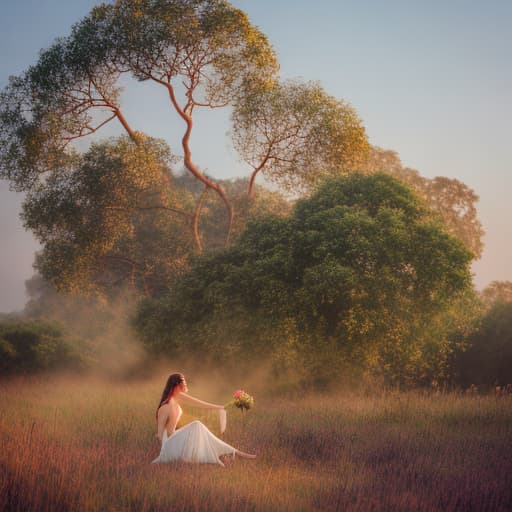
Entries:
{"x":86,"y":445}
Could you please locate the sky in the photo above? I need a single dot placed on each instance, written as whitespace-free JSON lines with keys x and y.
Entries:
{"x":431,"y":80}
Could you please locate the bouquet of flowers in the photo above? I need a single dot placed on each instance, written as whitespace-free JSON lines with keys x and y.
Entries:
{"x":242,"y":400}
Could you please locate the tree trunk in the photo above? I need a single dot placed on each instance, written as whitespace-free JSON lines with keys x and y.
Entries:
{"x":194,"y":169}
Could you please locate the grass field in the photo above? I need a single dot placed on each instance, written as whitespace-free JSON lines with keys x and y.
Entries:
{"x":83,"y":444}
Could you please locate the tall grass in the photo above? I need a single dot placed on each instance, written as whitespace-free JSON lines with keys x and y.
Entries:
{"x":87,"y":445}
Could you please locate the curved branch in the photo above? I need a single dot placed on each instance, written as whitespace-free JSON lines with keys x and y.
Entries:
{"x":90,"y":130}
{"x":192,"y":167}
{"x":256,"y":171}
{"x":124,"y":122}
{"x":113,"y":107}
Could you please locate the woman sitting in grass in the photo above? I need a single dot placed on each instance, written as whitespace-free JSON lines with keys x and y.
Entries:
{"x":193,"y":442}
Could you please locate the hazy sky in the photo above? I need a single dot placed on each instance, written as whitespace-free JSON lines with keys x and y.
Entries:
{"x":431,"y":80}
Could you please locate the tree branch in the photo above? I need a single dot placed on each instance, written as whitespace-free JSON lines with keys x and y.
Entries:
{"x":191,"y":166}
{"x":91,"y":130}
{"x":197,"y":214}
{"x":256,"y":171}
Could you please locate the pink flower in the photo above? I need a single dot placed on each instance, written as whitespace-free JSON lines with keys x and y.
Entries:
{"x":238,"y":393}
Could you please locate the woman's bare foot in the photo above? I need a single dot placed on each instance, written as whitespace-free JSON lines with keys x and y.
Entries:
{"x":245,"y":455}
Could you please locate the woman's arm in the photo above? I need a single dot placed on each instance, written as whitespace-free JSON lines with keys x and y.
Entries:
{"x":187,"y":399}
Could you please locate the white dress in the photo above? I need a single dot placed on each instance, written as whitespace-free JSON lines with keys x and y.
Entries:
{"x":193,"y":443}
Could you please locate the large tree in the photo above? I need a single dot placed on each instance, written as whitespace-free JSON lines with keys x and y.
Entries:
{"x":96,"y":211}
{"x":205,"y":53}
{"x":107,"y":223}
{"x":359,"y":269}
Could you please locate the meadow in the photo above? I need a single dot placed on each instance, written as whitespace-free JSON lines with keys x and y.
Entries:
{"x":71,"y":443}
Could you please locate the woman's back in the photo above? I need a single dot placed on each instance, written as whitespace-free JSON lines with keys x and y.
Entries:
{"x":168,"y":417}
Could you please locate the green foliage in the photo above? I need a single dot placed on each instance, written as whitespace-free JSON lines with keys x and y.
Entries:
{"x":497,"y":291}
{"x":358,"y":271}
{"x":487,"y":362}
{"x":73,"y":88}
{"x":208,"y":44}
{"x":114,"y":220}
{"x":450,"y":200}
{"x":28,"y":347}
{"x":207,"y":48}
{"x":296,"y":134}
{"x":119,"y":220}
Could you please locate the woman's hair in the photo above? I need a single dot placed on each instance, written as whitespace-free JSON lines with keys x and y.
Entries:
{"x":174,"y":380}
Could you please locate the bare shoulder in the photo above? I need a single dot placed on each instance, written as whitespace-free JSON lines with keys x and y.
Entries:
{"x":164,"y":410}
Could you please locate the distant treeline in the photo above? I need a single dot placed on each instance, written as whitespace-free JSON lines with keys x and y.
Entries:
{"x":483,"y":359}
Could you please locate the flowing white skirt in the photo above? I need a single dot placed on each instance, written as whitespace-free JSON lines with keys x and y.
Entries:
{"x":193,"y":443}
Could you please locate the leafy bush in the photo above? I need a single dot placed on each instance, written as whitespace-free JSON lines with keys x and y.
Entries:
{"x":29,"y":346}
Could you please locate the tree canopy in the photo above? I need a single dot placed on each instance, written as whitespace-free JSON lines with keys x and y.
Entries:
{"x":451,"y":200}
{"x":296,"y":134}
{"x":114,"y":219}
{"x":205,"y":53}
{"x":360,"y":263}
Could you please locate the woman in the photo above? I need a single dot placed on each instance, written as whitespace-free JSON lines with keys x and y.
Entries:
{"x":193,"y":442}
